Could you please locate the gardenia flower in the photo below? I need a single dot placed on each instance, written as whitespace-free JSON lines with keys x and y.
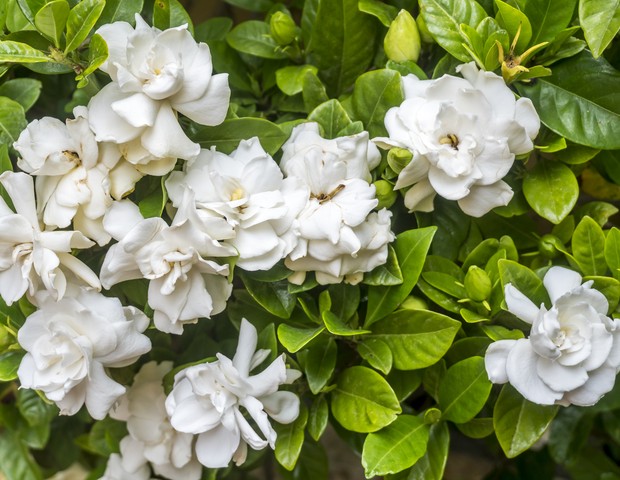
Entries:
{"x":31,"y":258}
{"x":151,"y":436}
{"x":184,"y":285}
{"x":156,"y":75}
{"x":464,"y":134}
{"x":339,"y":237}
{"x":71,"y":172}
{"x":70,"y":342}
{"x":117,"y":468}
{"x":206,"y":401}
{"x":573,"y":352}
{"x":247,"y":189}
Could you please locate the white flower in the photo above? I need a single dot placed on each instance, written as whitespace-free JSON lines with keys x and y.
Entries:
{"x":184,"y":285}
{"x":155,"y":76}
{"x":74,"y":472}
{"x":206,"y":401}
{"x":247,"y":189}
{"x":151,"y":436}
{"x":70,"y":342}
{"x":464,"y":134}
{"x":71,"y":172}
{"x":573,"y":352}
{"x":339,"y":237}
{"x":123,"y":467}
{"x":31,"y":259}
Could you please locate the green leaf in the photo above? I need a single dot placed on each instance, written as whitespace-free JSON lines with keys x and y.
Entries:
{"x":385,"y":13}
{"x":294,"y":339}
{"x":395,"y":447}
{"x":170,"y":13}
{"x":551,"y":189}
{"x":318,"y":417}
{"x":588,"y":245}
{"x":464,"y":390}
{"x":32,"y":407}
{"x":569,"y":432}
{"x":345,"y":300}
{"x":12,"y":120}
{"x":411,"y":248}
{"x":337,"y":326}
{"x":291,"y":79}
{"x":290,"y":440}
{"x":331,"y":116}
{"x":253,"y":5}
{"x":548,"y":18}
{"x":9,"y":363}
{"x":105,"y":436}
{"x":30,"y":8}
{"x":524,"y":280}
{"x":433,"y":463}
{"x":377,"y":353}
{"x":253,"y":37}
{"x":153,"y":204}
{"x":81,"y":21}
{"x":97,"y":54}
{"x":213,"y":29}
{"x":443,"y":19}
{"x":387,"y":274}
{"x":341,"y":43}
{"x":120,"y":11}
{"x":17,"y":52}
{"x":363,"y":401}
{"x":272,"y":296}
{"x":374,"y":94}
{"x":579,"y":107}
{"x":319,"y":362}
{"x":512,"y":19}
{"x":518,"y":422}
{"x":612,"y":252}
{"x":404,"y":382}
{"x":24,"y":91}
{"x":417,"y":338}
{"x":226,"y":136}
{"x":51,"y":20}
{"x":477,"y":427}
{"x":17,"y":462}
{"x":314,"y":92}
{"x":600,"y":21}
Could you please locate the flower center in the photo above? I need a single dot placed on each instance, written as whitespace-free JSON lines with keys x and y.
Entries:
{"x":237,"y":194}
{"x":450,"y":139}
{"x":73,"y":157}
{"x":324,"y":197}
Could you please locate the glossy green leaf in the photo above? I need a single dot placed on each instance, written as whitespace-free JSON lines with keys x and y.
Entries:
{"x":29,"y":8}
{"x":253,"y":37}
{"x":477,"y":427}
{"x":17,"y":52}
{"x":290,"y":440}
{"x":524,"y":280}
{"x":226,"y":136}
{"x":464,"y":390}
{"x":395,"y":447}
{"x":569,"y":432}
{"x":332,"y":118}
{"x":387,"y":274}
{"x":446,"y":283}
{"x":51,"y":20}
{"x":443,"y":19}
{"x":411,"y":248}
{"x":97,"y":54}
{"x":252,"y":5}
{"x":314,"y":92}
{"x":154,"y":201}
{"x":105,"y":436}
{"x":518,"y":422}
{"x":120,"y":11}
{"x":374,"y":94}
{"x":384,"y":12}
{"x":341,"y":43}
{"x":612,"y":252}
{"x":17,"y":462}
{"x":404,"y":382}
{"x":363,"y":401}
{"x":337,"y":326}
{"x":272,"y":296}
{"x":417,"y":338}
{"x":345,"y":300}
{"x":433,"y":463}
{"x":24,"y":91}
{"x":81,"y":21}
{"x":294,"y":339}
{"x":171,"y":13}
{"x":319,"y":362}
{"x":377,"y":353}
{"x":12,"y":120}
{"x":318,"y":417}
{"x":551,"y":189}
{"x":32,"y":407}
{"x":213,"y":29}
{"x":548,"y":18}
{"x":581,"y":107}
{"x":600,"y":21}
{"x":290,"y":79}
{"x":588,"y":245}
{"x":512,"y":19}
{"x":9,"y":363}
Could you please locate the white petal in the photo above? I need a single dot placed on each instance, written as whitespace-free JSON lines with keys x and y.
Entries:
{"x":283,"y":407}
{"x":216,"y":447}
{"x":211,"y":108}
{"x":166,"y":138}
{"x":559,"y":377}
{"x":420,"y":197}
{"x":519,"y":305}
{"x":601,"y":381}
{"x":248,"y":338}
{"x":560,"y":280}
{"x":105,"y":122}
{"x":495,"y":360}
{"x":484,"y":198}
{"x":101,"y":392}
{"x":120,"y":218}
{"x":138,"y":110}
{"x":20,"y":188}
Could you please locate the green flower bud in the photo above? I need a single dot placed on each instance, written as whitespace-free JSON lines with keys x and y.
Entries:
{"x":282,"y":28}
{"x":432,"y":415}
{"x":6,"y":338}
{"x":425,"y":35}
{"x":402,"y":41}
{"x":385,"y":194}
{"x":477,"y":284}
{"x":548,"y":246}
{"x":414,"y":303}
{"x":398,"y":158}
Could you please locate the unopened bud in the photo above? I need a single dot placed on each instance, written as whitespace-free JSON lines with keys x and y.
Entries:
{"x":398,"y":158}
{"x":402,"y":41}
{"x":477,"y":284}
{"x":414,"y":303}
{"x":385,"y":194}
{"x":282,"y":28}
{"x":549,"y":246}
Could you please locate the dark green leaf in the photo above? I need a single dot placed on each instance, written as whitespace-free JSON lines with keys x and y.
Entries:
{"x":432,"y":465}
{"x":332,"y":118}
{"x":226,"y":136}
{"x":24,"y":91}
{"x":294,"y":339}
{"x":612,"y":252}
{"x":548,"y":18}
{"x":252,"y":5}
{"x":120,"y":11}
{"x":588,"y":245}
{"x":33,"y":408}
{"x":477,"y":427}
{"x":170,"y":13}
{"x":319,"y":362}
{"x":17,"y":462}
{"x":290,"y":440}
{"x":600,"y":20}
{"x":377,"y":353}
{"x":386,"y":275}
{"x":81,"y":21}
{"x":318,"y":417}
{"x":253,"y":37}
{"x":9,"y":363}
{"x":524,"y":280}
{"x":404,"y":382}
{"x":105,"y":436}
{"x":569,"y":432}
{"x":272,"y":296}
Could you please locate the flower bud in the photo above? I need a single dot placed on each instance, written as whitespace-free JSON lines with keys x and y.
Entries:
{"x":549,"y":246}
{"x":402,"y":41}
{"x":425,"y":35}
{"x":398,"y":158}
{"x":385,"y":194}
{"x":282,"y":28}
{"x":414,"y":303}
{"x":477,"y":284}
